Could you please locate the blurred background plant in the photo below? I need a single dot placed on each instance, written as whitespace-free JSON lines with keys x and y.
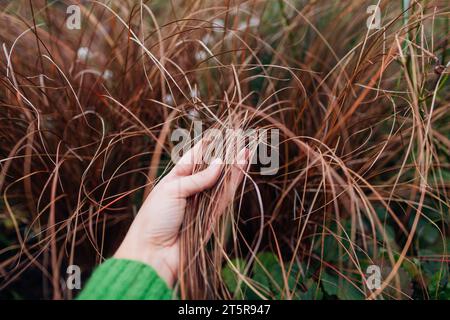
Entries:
{"x":86,"y":117}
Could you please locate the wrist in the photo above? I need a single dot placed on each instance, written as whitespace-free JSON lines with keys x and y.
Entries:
{"x":157,"y":260}
{"x":156,"y":257}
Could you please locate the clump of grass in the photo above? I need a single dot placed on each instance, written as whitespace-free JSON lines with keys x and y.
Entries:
{"x":364,"y":162}
{"x":83,"y":115}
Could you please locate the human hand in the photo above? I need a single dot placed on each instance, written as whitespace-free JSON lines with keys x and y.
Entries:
{"x":153,"y":237}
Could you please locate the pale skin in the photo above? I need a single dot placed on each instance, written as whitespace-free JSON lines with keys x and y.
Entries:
{"x":153,"y":237}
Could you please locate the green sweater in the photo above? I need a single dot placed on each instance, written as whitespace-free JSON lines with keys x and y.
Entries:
{"x":120,"y":279}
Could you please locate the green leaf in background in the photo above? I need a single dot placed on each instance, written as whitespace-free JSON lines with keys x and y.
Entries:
{"x":431,"y":268}
{"x":313,"y":291}
{"x":330,"y":249}
{"x":347,"y":291}
{"x":439,"y":286}
{"x":330,"y":284}
{"x":294,"y":275}
{"x":267,"y":272}
{"x":231,"y":278}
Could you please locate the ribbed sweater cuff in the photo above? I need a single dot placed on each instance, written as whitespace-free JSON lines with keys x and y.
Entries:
{"x":121,"y":279}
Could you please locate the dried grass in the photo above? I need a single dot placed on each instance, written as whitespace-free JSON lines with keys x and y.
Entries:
{"x":363,"y":116}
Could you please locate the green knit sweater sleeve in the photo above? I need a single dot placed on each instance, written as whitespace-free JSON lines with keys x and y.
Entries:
{"x":121,"y":279}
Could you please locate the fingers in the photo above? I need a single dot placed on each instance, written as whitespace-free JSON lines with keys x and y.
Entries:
{"x":187,"y":184}
{"x":200,"y":181}
{"x":185,"y":165}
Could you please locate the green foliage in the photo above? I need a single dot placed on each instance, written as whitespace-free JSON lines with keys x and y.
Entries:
{"x":420,"y":276}
{"x":313,"y":292}
{"x":270,"y":277}
{"x":232,"y":280}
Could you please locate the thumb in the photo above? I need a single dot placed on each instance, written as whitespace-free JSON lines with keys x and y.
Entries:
{"x":202,"y":180}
